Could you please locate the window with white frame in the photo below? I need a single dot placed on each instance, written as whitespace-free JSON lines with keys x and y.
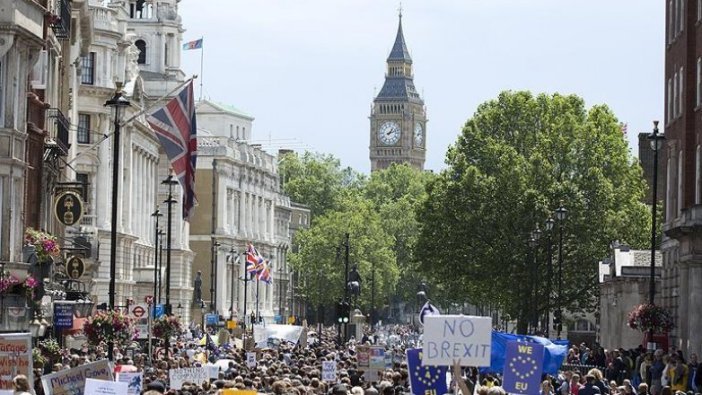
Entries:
{"x":669,"y":101}
{"x":699,"y":10}
{"x":87,"y":66}
{"x":671,"y":28}
{"x":681,"y":13}
{"x":675,"y":96}
{"x":698,"y":82}
{"x":83,"y":133}
{"x":698,"y":170}
{"x":680,"y":185}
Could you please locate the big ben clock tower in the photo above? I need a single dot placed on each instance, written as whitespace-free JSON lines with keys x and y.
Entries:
{"x":398,"y":118}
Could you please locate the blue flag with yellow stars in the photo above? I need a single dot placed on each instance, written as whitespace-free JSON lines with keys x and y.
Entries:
{"x":523,"y":365}
{"x":425,"y":380}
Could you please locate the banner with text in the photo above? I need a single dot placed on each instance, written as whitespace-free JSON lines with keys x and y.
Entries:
{"x":462,"y":338}
{"x":134,"y":380}
{"x":523,"y":365}
{"x":289,"y":333}
{"x":103,"y":387}
{"x":191,"y":375}
{"x":72,"y":381}
{"x":15,"y":358}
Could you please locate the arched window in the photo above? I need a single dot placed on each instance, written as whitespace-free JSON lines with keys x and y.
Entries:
{"x":141,"y":44}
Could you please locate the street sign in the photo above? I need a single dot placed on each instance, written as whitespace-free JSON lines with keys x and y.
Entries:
{"x":68,"y":208}
{"x":159,"y":310}
{"x":63,"y":315}
{"x":138,"y":311}
{"x":149,"y":299}
{"x":75,"y":267}
{"x":231,"y":324}
{"x":211,"y":319}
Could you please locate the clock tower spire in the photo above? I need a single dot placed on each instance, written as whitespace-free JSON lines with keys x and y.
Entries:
{"x":398,"y":116}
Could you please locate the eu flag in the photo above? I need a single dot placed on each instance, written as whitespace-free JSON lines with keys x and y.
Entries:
{"x":425,"y":380}
{"x":555,"y":351}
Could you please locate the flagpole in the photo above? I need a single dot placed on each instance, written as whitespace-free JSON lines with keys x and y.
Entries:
{"x":202,"y":57}
{"x":257,"y":312}
{"x":142,"y":111}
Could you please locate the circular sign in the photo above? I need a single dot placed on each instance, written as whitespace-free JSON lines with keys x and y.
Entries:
{"x":138,"y":311}
{"x":75,"y":268}
{"x":149,"y":299}
{"x":68,"y":208}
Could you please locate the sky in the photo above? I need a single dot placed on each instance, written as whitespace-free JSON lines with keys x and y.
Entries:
{"x":307,"y":70}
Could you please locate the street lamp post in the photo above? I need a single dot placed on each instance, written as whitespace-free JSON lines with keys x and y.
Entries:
{"x":549,"y":273}
{"x":117,"y":103}
{"x":233,"y":256}
{"x":160,"y":264}
{"x":156,"y":214}
{"x":170,"y":182}
{"x":536,"y":235}
{"x":657,"y":141}
{"x":561,"y":215}
{"x":213,"y":276}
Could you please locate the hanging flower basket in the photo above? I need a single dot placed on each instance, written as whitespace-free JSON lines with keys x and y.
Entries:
{"x":166,"y":327}
{"x":648,"y":317}
{"x":109,"y":326}
{"x":49,"y":348}
{"x":46,"y":246}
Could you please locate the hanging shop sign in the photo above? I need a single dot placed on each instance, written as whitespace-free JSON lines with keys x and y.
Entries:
{"x":68,"y":207}
{"x":75,"y":267}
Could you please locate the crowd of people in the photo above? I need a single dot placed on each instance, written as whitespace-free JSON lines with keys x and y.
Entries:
{"x":294,"y":370}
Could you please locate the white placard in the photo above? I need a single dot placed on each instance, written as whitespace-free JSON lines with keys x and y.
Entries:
{"x":463,"y":338}
{"x":72,"y":381}
{"x":196,"y":376}
{"x":134,"y":380}
{"x":289,"y":333}
{"x":329,"y":371}
{"x":104,"y":387}
{"x":212,"y":370}
{"x":251,"y":360}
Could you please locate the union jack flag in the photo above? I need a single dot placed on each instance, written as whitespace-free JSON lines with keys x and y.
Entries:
{"x":176,"y":128}
{"x":254,"y":260}
{"x":265,"y":273}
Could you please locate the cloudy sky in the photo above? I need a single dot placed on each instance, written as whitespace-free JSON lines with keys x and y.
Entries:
{"x":307,"y":70}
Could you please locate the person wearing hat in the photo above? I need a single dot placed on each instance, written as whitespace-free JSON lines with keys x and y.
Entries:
{"x":155,"y":387}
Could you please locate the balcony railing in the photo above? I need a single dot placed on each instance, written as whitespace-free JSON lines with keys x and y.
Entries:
{"x":61,"y":130}
{"x":60,"y":19}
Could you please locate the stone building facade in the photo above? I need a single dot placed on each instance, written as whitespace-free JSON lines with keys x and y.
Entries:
{"x":240,"y":202}
{"x":682,"y":158}
{"x":398,"y":119}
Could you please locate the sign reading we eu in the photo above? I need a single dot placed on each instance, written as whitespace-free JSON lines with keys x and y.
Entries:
{"x":523,"y":367}
{"x":457,"y":338}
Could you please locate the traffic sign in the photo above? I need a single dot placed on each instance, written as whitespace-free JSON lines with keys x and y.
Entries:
{"x":138,"y":311}
{"x":211,"y":319}
{"x":149,"y":299}
{"x":159,"y":310}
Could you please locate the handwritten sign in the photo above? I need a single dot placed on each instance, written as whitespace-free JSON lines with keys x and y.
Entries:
{"x":251,"y":360}
{"x":72,"y":381}
{"x":376,"y":359}
{"x":15,"y":358}
{"x":329,"y":371}
{"x":189,"y":375}
{"x":134,"y":380}
{"x":103,"y":387}
{"x":523,"y":365}
{"x":462,"y":338}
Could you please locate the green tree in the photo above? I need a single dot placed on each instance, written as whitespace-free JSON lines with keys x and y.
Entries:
{"x":516,"y":159}
{"x":317,"y":180}
{"x":321,"y":262}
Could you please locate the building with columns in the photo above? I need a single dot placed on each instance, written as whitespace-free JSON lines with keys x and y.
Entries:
{"x":116,"y":56}
{"x":240,"y":202}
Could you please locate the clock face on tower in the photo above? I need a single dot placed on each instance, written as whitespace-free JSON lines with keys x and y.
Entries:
{"x":418,"y":134}
{"x":389,"y":133}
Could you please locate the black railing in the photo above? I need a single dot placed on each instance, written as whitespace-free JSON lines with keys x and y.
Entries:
{"x":62,"y":127}
{"x":61,"y":19}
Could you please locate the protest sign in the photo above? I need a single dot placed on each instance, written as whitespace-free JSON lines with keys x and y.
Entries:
{"x":190,"y":375}
{"x":523,"y":366}
{"x":329,"y":371}
{"x":104,"y":387}
{"x":212,"y":370}
{"x":376,"y":358}
{"x":289,"y":333}
{"x":251,"y":360}
{"x":363,"y":357}
{"x":15,"y":358}
{"x":134,"y":381}
{"x":462,"y":338}
{"x":425,"y":379}
{"x":72,"y":381}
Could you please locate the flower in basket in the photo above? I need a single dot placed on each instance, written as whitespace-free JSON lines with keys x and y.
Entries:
{"x":49,"y":347}
{"x":30,"y":284}
{"x":45,"y":245}
{"x":166,"y":327}
{"x":7,"y":282}
{"x":649,"y":317}
{"x":109,"y":326}
{"x":37,"y":358}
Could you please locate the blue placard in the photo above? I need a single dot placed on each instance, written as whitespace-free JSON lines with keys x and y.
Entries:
{"x":524,"y":363}
{"x":159,"y":310}
{"x":212,"y":319}
{"x":63,"y":316}
{"x":425,"y":379}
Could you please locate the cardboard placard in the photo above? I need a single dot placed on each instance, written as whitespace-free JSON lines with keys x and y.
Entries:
{"x":72,"y":381}
{"x":196,"y":376}
{"x":329,"y":371}
{"x":134,"y":380}
{"x":104,"y":387}
{"x":15,"y":358}
{"x":524,"y":363}
{"x":463,"y":338}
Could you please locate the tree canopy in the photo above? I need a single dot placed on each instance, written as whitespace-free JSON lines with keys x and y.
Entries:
{"x":516,"y":160}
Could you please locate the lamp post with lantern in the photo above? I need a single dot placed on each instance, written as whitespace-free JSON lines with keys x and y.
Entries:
{"x":561,"y":214}
{"x":657,"y":141}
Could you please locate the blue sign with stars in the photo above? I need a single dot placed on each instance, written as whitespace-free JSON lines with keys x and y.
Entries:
{"x":425,"y":380}
{"x":524,"y":363}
